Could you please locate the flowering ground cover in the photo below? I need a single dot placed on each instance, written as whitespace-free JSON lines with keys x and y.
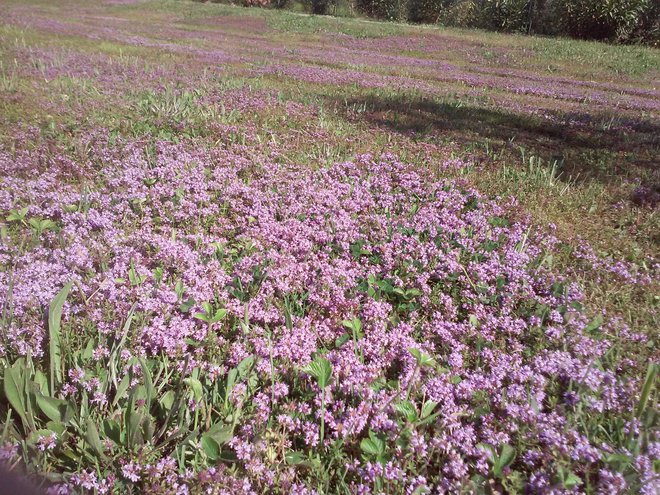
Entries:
{"x":255,"y":252}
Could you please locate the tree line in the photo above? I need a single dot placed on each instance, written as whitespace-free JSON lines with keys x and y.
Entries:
{"x":624,"y":21}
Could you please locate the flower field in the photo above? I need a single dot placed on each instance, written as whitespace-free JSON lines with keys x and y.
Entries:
{"x":250,"y":251}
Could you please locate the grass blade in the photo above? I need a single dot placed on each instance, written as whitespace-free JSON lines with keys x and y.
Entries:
{"x":647,"y":388}
{"x":54,"y":335}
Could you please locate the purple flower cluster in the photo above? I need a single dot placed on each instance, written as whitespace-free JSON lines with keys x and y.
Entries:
{"x":422,"y":264}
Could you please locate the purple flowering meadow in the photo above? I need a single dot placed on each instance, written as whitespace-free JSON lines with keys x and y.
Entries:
{"x":241,"y":255}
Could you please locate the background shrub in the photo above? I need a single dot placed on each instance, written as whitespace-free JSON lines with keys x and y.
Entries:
{"x":461,"y":13}
{"x":505,"y":15}
{"x":392,"y":10}
{"x":603,"y":19}
{"x":427,"y":11}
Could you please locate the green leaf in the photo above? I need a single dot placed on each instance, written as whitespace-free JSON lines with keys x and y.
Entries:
{"x":112,"y":430}
{"x":649,"y":384}
{"x":88,"y":352}
{"x":54,"y":321}
{"x":14,"y":391}
{"x":321,"y":370}
{"x":41,"y":381}
{"x":422,"y":358}
{"x":571,"y":480}
{"x":187,"y":305}
{"x":355,"y":325}
{"x":93,"y":439}
{"x":17,"y":215}
{"x":196,"y":386}
{"x":594,"y":325}
{"x":148,"y":384}
{"x":489,"y":450}
{"x":54,"y":409}
{"x":620,"y":460}
{"x":123,"y":386}
{"x":56,"y":427}
{"x":427,"y":408}
{"x":34,"y":436}
{"x":202,"y":316}
{"x":407,"y":410}
{"x":341,"y":340}
{"x":219,"y":315}
{"x":245,"y":366}
{"x":210,"y":447}
{"x":373,"y":446}
{"x":294,"y":458}
{"x":221,"y":433}
{"x":167,"y":400}
{"x":506,"y":457}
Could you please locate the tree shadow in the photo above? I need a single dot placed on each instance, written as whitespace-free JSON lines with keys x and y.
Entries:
{"x":585,"y":145}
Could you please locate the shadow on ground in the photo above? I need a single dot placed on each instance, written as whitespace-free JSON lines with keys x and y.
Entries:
{"x":588,"y":146}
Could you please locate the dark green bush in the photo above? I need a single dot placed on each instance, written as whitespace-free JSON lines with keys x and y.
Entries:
{"x":603,"y":19}
{"x":391,"y":10}
{"x":280,"y":4}
{"x":428,"y":11}
{"x":461,"y":13}
{"x":505,"y":15}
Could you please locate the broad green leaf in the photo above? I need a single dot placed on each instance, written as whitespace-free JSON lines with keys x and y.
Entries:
{"x":196,"y":386}
{"x":148,"y":383}
{"x":88,"y":352}
{"x":231,"y":381}
{"x":92,"y":437}
{"x":407,"y":410}
{"x":210,"y":447}
{"x":427,"y":408}
{"x":54,"y":409}
{"x":34,"y":436}
{"x":294,"y":458}
{"x":355,"y":325}
{"x":121,"y":389}
{"x":321,"y":370}
{"x":112,"y":430}
{"x":244,"y":366}
{"x":489,"y":450}
{"x":619,"y":459}
{"x":56,"y":427}
{"x":219,"y":315}
{"x":422,"y":358}
{"x":373,"y":446}
{"x":167,"y":400}
{"x":41,"y":381}
{"x":54,"y":321}
{"x":221,"y":433}
{"x":13,"y":387}
{"x":148,"y":427}
{"x":202,"y":316}
{"x":506,"y":457}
